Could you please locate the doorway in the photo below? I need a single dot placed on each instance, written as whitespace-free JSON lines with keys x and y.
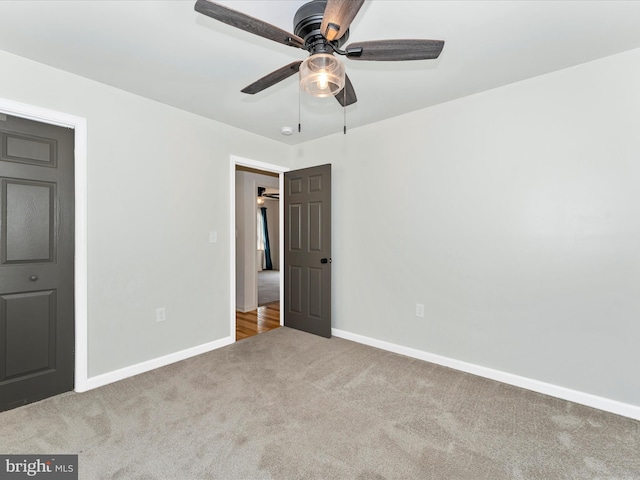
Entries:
{"x":268,"y":244}
{"x":257,"y":286}
{"x":79,"y":126}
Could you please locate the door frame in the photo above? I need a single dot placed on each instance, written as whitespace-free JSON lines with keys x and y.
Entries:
{"x":79,"y":125}
{"x":267,"y":167}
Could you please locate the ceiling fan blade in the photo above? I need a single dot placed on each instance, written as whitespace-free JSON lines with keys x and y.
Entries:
{"x":346,"y":96}
{"x":247,"y":23}
{"x":272,"y":78}
{"x":395,"y":50}
{"x":338,"y":15}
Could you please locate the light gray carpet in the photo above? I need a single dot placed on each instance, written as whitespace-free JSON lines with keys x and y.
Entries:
{"x":288,"y":405}
{"x":268,"y":286}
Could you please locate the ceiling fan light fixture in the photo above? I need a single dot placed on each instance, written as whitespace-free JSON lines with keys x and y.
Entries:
{"x":322,"y":75}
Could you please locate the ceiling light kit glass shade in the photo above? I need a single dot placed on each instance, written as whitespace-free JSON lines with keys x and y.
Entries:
{"x":322,"y":75}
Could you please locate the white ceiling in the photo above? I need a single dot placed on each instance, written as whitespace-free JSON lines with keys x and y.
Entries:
{"x":166,"y":51}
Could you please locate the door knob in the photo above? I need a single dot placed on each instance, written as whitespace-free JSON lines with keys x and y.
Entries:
{"x":33,"y":278}
{"x":325,"y":260}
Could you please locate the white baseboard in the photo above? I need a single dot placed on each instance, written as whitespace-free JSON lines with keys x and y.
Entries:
{"x":601,"y":403}
{"x":246,"y":309}
{"x":121,"y":374}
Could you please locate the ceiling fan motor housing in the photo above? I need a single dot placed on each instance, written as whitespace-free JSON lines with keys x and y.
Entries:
{"x":307,"y":22}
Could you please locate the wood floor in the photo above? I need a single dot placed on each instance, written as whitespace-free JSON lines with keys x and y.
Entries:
{"x":265,"y":318}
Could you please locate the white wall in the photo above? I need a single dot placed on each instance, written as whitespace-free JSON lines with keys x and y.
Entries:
{"x":158,"y":183}
{"x":512,"y":215}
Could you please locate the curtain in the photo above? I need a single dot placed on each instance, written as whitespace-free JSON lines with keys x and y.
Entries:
{"x":265,"y":236}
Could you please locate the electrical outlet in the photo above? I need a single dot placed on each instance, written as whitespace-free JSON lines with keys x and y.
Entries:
{"x":419,"y":310}
{"x":213,"y":237}
{"x":161,"y":314}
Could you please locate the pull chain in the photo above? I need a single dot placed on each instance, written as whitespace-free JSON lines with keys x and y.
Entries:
{"x":344,"y":96}
{"x":299,"y":100}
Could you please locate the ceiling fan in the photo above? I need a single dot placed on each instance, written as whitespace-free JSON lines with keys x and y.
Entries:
{"x":272,"y":193}
{"x":321,"y":27}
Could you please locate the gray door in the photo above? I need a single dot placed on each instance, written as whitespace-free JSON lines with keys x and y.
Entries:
{"x":307,"y":250}
{"x":36,"y":261}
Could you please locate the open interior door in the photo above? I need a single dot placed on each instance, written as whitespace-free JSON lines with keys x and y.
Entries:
{"x":36,"y":261}
{"x":307,"y":250}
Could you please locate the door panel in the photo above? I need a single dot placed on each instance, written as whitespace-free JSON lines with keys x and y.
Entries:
{"x":36,"y":261}
{"x":307,"y":295}
{"x":295,"y":228}
{"x":27,"y":216}
{"x":294,"y":288}
{"x":29,"y":321}
{"x":315,"y":227}
{"x":315,"y":288}
{"x":29,"y":149}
